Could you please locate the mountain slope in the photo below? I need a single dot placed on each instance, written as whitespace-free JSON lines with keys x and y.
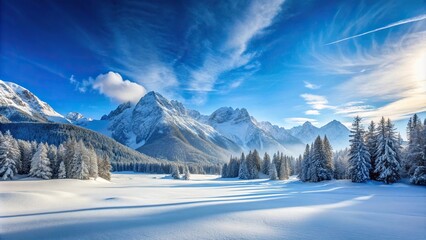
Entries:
{"x":20,"y":105}
{"x":165,"y":129}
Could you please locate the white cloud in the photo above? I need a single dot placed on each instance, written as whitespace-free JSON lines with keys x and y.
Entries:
{"x":317,"y":102}
{"x":312,"y":112}
{"x":73,"y":80}
{"x":311,"y":85}
{"x":112,"y":85}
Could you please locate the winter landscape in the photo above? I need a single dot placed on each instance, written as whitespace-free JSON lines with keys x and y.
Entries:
{"x":239,"y":119}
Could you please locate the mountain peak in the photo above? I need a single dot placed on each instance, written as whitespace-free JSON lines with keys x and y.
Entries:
{"x":307,"y":124}
{"x":335,"y":124}
{"x":225,"y":114}
{"x":74,"y":116}
{"x":22,"y":105}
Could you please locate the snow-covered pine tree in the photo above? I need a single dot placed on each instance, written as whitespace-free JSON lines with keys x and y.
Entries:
{"x":104,"y":168}
{"x":359,"y":157}
{"x":52,"y":155}
{"x":273,"y":172}
{"x":388,"y":159}
{"x":93,"y":162}
{"x":303,"y":176}
{"x":186,"y":173}
{"x":61,"y":171}
{"x":415,"y":151}
{"x":257,"y":161}
{"x":40,"y":163}
{"x":371,"y":144}
{"x":282,"y":174}
{"x":318,"y":170}
{"x":298,"y":166}
{"x":175,"y":172}
{"x":266,"y":164}
{"x":233,"y":167}
{"x":288,"y":166}
{"x":26,"y":155}
{"x":80,"y":162}
{"x":253,"y":164}
{"x":8,"y":167}
{"x":225,"y":171}
{"x":328,"y":158}
{"x":243,"y":172}
{"x":60,"y":154}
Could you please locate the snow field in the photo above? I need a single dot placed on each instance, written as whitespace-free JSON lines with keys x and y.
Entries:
{"x":143,"y":206}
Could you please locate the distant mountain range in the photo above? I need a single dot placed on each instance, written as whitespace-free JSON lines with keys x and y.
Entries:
{"x":165,"y":129}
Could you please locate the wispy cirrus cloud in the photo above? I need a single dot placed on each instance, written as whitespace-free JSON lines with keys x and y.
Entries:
{"x":317,"y":102}
{"x":311,"y":85}
{"x":312,"y":112}
{"x":233,"y":53}
{"x":380,"y":75}
{"x":402,"y":22}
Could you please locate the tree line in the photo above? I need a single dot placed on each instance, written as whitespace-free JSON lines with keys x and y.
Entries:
{"x":72,"y":159}
{"x":374,"y":154}
{"x":78,"y":159}
{"x":252,"y":166}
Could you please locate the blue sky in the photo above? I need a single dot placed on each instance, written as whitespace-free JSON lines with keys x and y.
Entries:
{"x":285,"y":61}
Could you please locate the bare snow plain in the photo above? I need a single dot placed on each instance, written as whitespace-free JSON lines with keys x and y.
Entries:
{"x":145,"y":206}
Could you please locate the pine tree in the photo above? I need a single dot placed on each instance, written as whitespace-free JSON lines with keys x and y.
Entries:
{"x":273,"y":172}
{"x":253,"y":164}
{"x":225,"y":171}
{"x":244,"y":172}
{"x":371,"y":144}
{"x":26,"y":155}
{"x":328,"y":158}
{"x":359,"y":157}
{"x":52,"y":154}
{"x":186,"y":173}
{"x":175,"y":172}
{"x":40,"y":163}
{"x":93,"y":162}
{"x":298,"y":166}
{"x":80,"y":162}
{"x":266,"y":164}
{"x":282,"y":174}
{"x":304,"y":176}
{"x":104,"y":168}
{"x":416,"y":149}
{"x":61,"y":171}
{"x":388,"y":160}
{"x":318,"y":169}
{"x":233,"y":167}
{"x":8,"y":167}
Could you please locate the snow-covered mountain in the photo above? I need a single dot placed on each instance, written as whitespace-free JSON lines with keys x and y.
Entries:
{"x":336,"y":132}
{"x":293,"y":144}
{"x":17,"y":104}
{"x":243,"y":129}
{"x":77,"y":118}
{"x":165,"y":129}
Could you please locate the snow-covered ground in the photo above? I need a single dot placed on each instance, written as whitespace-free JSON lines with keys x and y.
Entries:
{"x":141,"y":206}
